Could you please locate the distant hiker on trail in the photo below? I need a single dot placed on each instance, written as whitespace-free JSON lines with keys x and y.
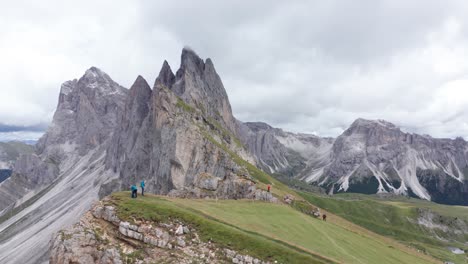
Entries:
{"x":324,"y":217}
{"x":142,"y":185}
{"x":134,"y":191}
{"x":268,"y":187}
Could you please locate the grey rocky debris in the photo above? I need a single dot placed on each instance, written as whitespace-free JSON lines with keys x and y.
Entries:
{"x":100,"y":237}
{"x":80,"y":245}
{"x":452,"y":227}
{"x":289,"y":199}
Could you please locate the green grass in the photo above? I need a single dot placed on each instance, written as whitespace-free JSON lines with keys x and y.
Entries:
{"x":262,"y":179}
{"x":184,"y":106}
{"x":210,"y":229}
{"x":224,"y":132}
{"x":397,"y":218}
{"x":267,"y":231}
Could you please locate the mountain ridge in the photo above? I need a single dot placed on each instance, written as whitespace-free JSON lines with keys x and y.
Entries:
{"x":180,"y":137}
{"x":377,"y":153}
{"x":183,"y":140}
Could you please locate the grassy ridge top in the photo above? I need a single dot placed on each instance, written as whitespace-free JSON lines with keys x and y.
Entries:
{"x":161,"y":209}
{"x":267,"y":231}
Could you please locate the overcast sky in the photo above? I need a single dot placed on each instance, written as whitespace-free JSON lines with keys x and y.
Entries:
{"x":305,"y":66}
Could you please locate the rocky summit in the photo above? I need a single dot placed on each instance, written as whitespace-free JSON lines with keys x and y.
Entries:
{"x":181,"y":138}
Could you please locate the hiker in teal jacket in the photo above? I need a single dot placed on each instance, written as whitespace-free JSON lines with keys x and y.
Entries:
{"x":142,"y":185}
{"x":134,"y":191}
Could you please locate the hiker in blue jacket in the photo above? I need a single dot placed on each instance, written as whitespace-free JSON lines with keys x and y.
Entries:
{"x":134,"y":191}
{"x":142,"y":185}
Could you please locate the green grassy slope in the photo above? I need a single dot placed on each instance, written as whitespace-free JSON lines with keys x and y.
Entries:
{"x":397,"y":218}
{"x":268,"y":231}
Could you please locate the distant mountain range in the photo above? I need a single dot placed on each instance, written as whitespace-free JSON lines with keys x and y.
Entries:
{"x":371,"y":156}
{"x":181,"y":137}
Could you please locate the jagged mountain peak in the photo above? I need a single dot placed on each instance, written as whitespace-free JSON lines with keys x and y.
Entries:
{"x":96,"y":79}
{"x":190,"y":61}
{"x":166,"y":77}
{"x":198,"y":84}
{"x":95,"y":73}
{"x":140,"y":92}
{"x":140,"y":83}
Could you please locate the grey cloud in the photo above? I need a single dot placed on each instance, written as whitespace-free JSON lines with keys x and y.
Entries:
{"x":15,"y":128}
{"x":306,"y":66}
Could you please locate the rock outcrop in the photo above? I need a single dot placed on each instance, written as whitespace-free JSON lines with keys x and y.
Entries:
{"x":101,"y":237}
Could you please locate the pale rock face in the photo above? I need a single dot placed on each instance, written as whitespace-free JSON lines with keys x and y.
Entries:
{"x":61,"y":180}
{"x":277,"y":151}
{"x":86,"y":114}
{"x":96,"y":240}
{"x":162,"y":140}
{"x":85,"y":118}
{"x":198,"y":84}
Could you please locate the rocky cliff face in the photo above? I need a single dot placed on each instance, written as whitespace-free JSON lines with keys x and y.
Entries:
{"x":378,"y":155}
{"x":180,"y":137}
{"x":84,"y":120}
{"x":51,"y":188}
{"x":283,"y":152}
{"x":170,"y":136}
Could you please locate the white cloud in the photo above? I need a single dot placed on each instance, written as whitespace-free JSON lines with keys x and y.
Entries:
{"x":306,"y":66}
